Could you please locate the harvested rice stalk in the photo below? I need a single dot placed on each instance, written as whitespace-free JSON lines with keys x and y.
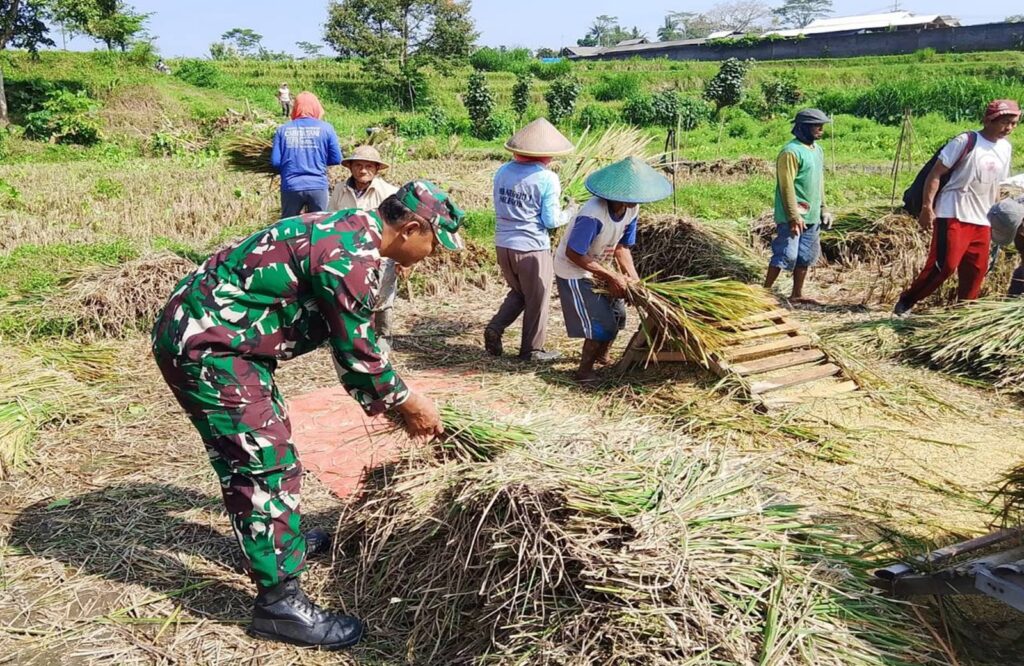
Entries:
{"x":31,"y":396}
{"x":560,"y":551}
{"x":471,"y":437}
{"x":250,"y":154}
{"x":676,"y":247}
{"x":688,"y":313}
{"x":594,"y":152}
{"x":981,"y":339}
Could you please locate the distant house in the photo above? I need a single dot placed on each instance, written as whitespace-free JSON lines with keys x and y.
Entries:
{"x":581,"y":51}
{"x":633,"y":42}
{"x":865,"y":23}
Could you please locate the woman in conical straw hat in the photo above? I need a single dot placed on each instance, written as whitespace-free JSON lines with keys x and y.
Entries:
{"x":597,"y":248}
{"x":527,"y":207}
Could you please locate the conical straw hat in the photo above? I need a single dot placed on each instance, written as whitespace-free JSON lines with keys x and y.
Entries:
{"x":539,"y":139}
{"x":630,"y":181}
{"x":365,"y":154}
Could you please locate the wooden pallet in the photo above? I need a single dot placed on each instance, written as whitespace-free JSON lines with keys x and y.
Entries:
{"x":771,"y":359}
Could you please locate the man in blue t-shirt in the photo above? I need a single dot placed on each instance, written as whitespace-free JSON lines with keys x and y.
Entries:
{"x":303,"y":149}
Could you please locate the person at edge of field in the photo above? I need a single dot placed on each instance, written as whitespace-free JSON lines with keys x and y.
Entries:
{"x":604,"y":230}
{"x":303,"y":149}
{"x":365,"y":189}
{"x":957,"y":216}
{"x":526,"y":203}
{"x":800,"y":211}
{"x":280,"y":293}
{"x":1007,"y":220}
{"x":284,"y":98}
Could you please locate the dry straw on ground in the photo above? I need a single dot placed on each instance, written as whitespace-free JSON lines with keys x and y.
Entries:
{"x":621,"y":547}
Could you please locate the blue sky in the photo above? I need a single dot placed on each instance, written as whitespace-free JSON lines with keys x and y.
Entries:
{"x":188,"y":27}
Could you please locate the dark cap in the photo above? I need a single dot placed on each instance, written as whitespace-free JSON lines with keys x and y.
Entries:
{"x":811,"y":117}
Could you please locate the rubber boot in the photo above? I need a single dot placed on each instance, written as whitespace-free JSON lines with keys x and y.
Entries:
{"x":285,"y":614}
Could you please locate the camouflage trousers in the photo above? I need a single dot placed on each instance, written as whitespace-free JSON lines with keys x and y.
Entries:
{"x":241,"y":417}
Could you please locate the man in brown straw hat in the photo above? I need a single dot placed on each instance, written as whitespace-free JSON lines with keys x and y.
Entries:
{"x":527,"y":207}
{"x":365,"y":190}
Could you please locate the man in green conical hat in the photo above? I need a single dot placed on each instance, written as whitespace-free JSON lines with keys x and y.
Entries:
{"x":597,"y":248}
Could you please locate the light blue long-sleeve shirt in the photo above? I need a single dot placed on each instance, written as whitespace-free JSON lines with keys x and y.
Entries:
{"x":526,"y":205}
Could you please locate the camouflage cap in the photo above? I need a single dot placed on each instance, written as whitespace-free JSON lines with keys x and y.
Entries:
{"x":432,"y":204}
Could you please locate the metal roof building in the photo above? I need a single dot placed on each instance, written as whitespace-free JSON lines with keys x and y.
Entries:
{"x":870,"y":23}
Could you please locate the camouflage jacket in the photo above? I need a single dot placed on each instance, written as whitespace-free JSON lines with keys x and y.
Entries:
{"x":281,"y":293}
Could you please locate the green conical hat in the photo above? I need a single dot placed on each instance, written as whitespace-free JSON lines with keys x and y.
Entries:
{"x":630,"y":181}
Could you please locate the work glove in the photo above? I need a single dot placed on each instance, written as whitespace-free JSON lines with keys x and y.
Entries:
{"x":827,"y":219}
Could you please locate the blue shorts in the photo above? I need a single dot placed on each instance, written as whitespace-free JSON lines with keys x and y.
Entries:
{"x":588,"y":315}
{"x":789,"y":251}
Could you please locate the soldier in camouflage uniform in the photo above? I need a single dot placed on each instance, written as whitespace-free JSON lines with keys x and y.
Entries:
{"x":276,"y":295}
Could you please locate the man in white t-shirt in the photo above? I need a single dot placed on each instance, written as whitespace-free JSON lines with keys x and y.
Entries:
{"x":958,"y":215}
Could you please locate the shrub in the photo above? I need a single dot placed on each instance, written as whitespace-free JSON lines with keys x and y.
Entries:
{"x":561,"y":98}
{"x":726,"y":87}
{"x":521,"y":93}
{"x":489,"y":59}
{"x":741,"y":126}
{"x":618,"y":86}
{"x":665,"y":108}
{"x":479,"y":102}
{"x":693,"y":112}
{"x":597,"y":115}
{"x":65,"y":117}
{"x":550,"y":71}
{"x":434,"y":122}
{"x":781,"y":93}
{"x":142,"y":53}
{"x":924,"y":55}
{"x":199,"y":73}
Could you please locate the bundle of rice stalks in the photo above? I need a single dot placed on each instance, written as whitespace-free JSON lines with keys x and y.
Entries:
{"x":250,"y":154}
{"x":449,"y":272}
{"x":113,"y":301}
{"x":688,"y":313}
{"x":670,"y":246}
{"x":472,"y":437}
{"x":875,"y":234}
{"x":32,"y":396}
{"x":627,"y":549}
{"x":595,"y":152}
{"x":1011,"y":494}
{"x":981,"y":339}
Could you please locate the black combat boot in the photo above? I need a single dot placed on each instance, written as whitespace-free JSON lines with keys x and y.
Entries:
{"x":318,"y":543}
{"x":284,"y":613}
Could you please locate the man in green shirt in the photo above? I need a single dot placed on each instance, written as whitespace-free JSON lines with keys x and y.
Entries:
{"x":799,"y":203}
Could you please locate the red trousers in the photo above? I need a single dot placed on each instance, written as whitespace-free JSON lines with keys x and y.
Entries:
{"x":956,"y":247}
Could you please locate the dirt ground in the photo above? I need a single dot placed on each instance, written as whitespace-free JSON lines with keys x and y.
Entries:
{"x":115,"y":548}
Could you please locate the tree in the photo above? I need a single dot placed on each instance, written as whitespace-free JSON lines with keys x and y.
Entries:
{"x":1016,"y":18}
{"x":669,"y":30}
{"x":799,"y":13}
{"x":545,"y":52}
{"x":21,"y":26}
{"x":246,"y":43}
{"x":740,"y":15}
{"x":479,"y":102}
{"x":521,"y":94}
{"x":112,"y":22}
{"x":604,"y":31}
{"x":311,"y":50}
{"x":692,"y":25}
{"x":398,"y":31}
{"x":726,"y":87}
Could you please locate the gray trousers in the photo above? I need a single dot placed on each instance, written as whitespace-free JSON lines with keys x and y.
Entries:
{"x":529,"y":276}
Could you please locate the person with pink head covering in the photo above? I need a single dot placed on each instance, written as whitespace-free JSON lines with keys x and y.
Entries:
{"x":302,"y":151}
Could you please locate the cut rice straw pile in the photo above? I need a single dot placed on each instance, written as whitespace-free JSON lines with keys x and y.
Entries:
{"x":688,"y":313}
{"x":250,"y":154}
{"x":676,"y":247}
{"x":471,"y":437}
{"x":116,"y":301}
{"x":595,"y":152}
{"x":623,"y":547}
{"x":981,"y":339}
{"x":32,"y":396}
{"x":1011,"y":495}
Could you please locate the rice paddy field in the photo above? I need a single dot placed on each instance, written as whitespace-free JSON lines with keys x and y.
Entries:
{"x":655,"y":518}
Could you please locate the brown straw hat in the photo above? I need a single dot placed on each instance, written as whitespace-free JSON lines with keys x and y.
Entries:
{"x":365,"y":154}
{"x":539,"y":139}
